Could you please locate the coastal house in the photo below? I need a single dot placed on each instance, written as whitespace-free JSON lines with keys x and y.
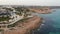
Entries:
{"x":5,"y":16}
{"x":5,"y":13}
{"x":13,"y":17}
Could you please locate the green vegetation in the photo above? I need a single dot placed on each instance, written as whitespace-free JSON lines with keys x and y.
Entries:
{"x":20,"y":21}
{"x":19,"y":13}
{"x":1,"y":30}
{"x":4,"y":18}
{"x":12,"y":25}
{"x":8,"y":9}
{"x":21,"y":10}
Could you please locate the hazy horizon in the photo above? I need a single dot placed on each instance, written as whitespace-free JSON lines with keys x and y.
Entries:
{"x":31,"y":2}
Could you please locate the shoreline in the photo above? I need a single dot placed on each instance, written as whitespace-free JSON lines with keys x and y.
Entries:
{"x":26,"y":27}
{"x":41,"y":11}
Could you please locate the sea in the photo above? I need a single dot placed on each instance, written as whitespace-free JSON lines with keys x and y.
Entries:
{"x":51,"y":23}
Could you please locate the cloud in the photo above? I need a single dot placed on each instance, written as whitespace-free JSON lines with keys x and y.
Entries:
{"x":31,"y":2}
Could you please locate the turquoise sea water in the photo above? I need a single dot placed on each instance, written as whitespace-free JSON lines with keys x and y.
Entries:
{"x":51,"y":24}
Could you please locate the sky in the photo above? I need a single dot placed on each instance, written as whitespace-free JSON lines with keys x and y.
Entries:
{"x":31,"y":2}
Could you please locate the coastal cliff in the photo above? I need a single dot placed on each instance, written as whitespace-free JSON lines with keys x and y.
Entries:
{"x":26,"y":26}
{"x":41,"y":10}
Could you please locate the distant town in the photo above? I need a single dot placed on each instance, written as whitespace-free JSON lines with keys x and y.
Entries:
{"x":53,"y":7}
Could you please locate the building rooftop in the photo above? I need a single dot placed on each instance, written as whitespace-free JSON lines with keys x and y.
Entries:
{"x":4,"y":12}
